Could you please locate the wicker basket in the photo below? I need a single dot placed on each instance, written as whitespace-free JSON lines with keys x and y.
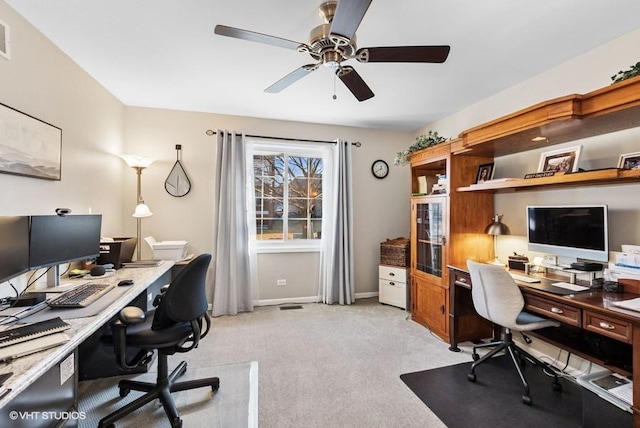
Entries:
{"x":395,"y":252}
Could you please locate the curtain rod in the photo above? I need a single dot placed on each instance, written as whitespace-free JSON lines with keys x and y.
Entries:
{"x":357,"y":143}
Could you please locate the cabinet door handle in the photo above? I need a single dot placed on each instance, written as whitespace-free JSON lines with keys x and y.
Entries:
{"x":392,"y":283}
{"x":392,"y":274}
{"x":607,"y":326}
{"x":464,"y":280}
{"x":442,"y":309}
{"x":556,"y":310}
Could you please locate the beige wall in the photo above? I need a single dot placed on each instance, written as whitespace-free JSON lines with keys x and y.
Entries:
{"x":381,"y":208}
{"x":583,"y":74}
{"x":41,"y":81}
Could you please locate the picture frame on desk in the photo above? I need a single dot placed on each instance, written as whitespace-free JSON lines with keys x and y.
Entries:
{"x":629,"y":161}
{"x":485,"y":172}
{"x":561,"y":160}
{"x":31,"y":147}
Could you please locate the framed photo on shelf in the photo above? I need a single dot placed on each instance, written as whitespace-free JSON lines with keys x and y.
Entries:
{"x":629,"y":161}
{"x":30,"y":146}
{"x":562,"y":160}
{"x":485,"y":172}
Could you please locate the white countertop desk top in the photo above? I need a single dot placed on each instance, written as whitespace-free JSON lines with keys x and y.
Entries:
{"x":26,"y":370}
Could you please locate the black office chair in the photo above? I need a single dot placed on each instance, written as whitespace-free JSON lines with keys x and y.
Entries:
{"x":497,"y":298}
{"x":178,"y":323}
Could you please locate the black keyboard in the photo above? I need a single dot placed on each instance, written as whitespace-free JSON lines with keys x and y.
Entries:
{"x":81,"y":296}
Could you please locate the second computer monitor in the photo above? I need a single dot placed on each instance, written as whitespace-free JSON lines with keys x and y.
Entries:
{"x":60,"y":239}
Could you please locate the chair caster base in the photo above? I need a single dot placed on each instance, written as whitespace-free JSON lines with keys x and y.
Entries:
{"x":526,"y":399}
{"x":471,"y":377}
{"x":556,"y":386}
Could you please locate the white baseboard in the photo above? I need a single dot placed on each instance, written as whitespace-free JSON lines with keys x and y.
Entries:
{"x":367,"y":295}
{"x":290,"y":300}
{"x":309,"y":299}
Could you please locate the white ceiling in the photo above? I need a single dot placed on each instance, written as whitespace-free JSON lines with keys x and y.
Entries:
{"x":164,"y":54}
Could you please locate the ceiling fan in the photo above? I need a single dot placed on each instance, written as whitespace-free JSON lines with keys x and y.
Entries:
{"x":334,"y":42}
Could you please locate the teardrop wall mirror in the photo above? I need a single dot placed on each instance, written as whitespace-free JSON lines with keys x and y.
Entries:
{"x":177,"y":183}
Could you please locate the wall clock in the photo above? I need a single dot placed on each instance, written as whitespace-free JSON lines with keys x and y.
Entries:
{"x":380,"y":169}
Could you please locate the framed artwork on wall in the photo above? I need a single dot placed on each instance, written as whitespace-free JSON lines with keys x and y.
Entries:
{"x":562,"y":160}
{"x":629,"y":161}
{"x":29,"y":146}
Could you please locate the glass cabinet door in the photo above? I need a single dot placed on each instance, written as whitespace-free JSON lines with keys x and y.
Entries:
{"x":430,"y":239}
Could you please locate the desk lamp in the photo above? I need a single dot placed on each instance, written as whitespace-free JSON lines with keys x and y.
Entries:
{"x":142,"y":210}
{"x":497,"y":227}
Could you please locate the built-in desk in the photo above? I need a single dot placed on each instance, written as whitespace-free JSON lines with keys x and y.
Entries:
{"x":47,"y":380}
{"x":592,"y":327}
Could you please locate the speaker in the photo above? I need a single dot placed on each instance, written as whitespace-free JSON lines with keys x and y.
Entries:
{"x":98,"y":270}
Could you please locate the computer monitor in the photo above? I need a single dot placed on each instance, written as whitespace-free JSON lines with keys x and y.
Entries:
{"x":54,"y":239}
{"x":579,"y":231}
{"x":14,"y":246}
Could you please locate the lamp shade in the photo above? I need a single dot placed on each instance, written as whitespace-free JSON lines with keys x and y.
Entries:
{"x":497,"y":227}
{"x":142,"y":210}
{"x":135,"y":161}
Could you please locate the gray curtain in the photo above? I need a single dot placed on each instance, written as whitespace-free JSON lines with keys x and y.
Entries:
{"x":232,"y":287}
{"x":336,"y":258}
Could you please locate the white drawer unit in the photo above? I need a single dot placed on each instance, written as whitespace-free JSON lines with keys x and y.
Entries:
{"x":392,"y":285}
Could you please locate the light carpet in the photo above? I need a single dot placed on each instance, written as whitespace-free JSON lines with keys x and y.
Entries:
{"x":235,"y":404}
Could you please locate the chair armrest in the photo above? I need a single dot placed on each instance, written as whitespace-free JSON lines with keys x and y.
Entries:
{"x":130,"y":315}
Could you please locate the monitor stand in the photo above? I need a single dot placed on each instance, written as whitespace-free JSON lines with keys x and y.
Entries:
{"x":53,"y":276}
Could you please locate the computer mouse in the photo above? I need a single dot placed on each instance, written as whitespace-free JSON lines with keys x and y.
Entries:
{"x":125,"y":282}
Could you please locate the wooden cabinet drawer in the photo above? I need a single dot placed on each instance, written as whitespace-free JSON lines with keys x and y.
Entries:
{"x":607,"y":326}
{"x":566,"y":314}
{"x":397,"y":274}
{"x":460,"y":278}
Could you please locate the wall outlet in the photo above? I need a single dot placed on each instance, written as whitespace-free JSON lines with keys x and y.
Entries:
{"x":281,"y":282}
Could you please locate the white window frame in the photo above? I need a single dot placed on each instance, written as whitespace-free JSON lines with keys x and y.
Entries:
{"x":259,"y":146}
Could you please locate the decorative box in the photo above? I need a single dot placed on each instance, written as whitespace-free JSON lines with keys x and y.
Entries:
{"x":395,"y":252}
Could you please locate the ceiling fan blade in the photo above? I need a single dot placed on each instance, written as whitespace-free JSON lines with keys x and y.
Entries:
{"x":348,"y":16}
{"x":354,"y":83}
{"x":252,"y":36}
{"x":436,"y":54}
{"x":291,"y":78}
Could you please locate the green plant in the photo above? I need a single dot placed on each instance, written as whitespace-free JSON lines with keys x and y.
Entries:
{"x":627,"y":74}
{"x":421,"y":142}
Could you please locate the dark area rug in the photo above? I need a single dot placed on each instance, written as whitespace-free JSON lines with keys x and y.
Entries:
{"x":495,"y":399}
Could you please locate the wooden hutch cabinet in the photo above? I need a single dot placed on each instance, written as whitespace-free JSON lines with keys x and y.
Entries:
{"x":447,"y":227}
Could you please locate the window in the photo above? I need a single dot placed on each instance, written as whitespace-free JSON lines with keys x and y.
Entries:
{"x":287,"y":192}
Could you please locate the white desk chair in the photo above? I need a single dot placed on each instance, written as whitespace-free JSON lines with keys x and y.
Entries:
{"x":497,"y":298}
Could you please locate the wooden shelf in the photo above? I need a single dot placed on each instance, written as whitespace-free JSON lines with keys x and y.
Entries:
{"x":597,"y":177}
{"x":559,"y":120}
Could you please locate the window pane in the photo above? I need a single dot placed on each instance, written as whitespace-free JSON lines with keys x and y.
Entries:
{"x":288,"y":195}
{"x":298,"y":208}
{"x":298,"y":188}
{"x":268,"y":229}
{"x":315,"y":208}
{"x":316,"y":229}
{"x":297,"y":229}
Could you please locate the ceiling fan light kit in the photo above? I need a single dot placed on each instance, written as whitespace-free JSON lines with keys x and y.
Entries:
{"x":334,"y":41}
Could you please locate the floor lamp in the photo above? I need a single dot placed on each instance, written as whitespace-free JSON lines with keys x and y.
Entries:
{"x":497,"y":227}
{"x":142,"y":210}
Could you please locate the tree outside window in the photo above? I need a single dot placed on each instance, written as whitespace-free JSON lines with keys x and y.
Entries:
{"x":288,"y":196}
